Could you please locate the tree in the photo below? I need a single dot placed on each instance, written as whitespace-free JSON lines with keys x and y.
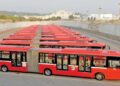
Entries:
{"x":71,"y":17}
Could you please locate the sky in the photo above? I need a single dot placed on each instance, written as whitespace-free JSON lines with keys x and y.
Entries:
{"x":48,"y":6}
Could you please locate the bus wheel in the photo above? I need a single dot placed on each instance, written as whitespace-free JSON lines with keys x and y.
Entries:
{"x":4,"y":68}
{"x":47,"y":72}
{"x":99,"y":76}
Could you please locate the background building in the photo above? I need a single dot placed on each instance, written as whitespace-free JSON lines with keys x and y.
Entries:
{"x":102,"y":17}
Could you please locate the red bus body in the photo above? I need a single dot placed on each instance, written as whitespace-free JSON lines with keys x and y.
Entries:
{"x":8,"y":63}
{"x":73,"y":44}
{"x":110,"y":73}
{"x":18,"y":38}
{"x":16,"y":42}
{"x":65,"y":39}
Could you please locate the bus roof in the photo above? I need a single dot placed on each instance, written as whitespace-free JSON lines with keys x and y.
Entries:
{"x":73,"y":43}
{"x":82,"y":51}
{"x":18,"y":38}
{"x":59,"y":31}
{"x":14,"y":48}
{"x":16,"y":42}
{"x":21,"y":36}
{"x":67,"y":39}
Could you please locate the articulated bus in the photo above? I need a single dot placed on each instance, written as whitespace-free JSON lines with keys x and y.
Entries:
{"x":16,"y":42}
{"x":59,"y":44}
{"x":55,"y":36}
{"x":72,"y":44}
{"x":98,"y":64}
{"x":18,"y":38}
{"x":66,"y":39}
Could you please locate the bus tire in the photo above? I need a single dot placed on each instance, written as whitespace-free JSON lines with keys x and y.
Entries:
{"x":99,"y":76}
{"x":4,"y":68}
{"x":47,"y":72}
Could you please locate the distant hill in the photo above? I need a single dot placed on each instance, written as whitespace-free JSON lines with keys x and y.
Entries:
{"x":19,"y":13}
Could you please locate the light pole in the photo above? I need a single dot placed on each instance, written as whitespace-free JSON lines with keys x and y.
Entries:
{"x":119,"y":11}
{"x":87,"y":13}
{"x":100,"y":11}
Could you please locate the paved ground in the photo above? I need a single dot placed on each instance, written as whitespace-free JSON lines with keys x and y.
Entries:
{"x":30,"y":79}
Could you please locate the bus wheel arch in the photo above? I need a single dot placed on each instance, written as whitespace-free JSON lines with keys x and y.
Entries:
{"x":99,"y":76}
{"x":47,"y":72}
{"x":4,"y":68}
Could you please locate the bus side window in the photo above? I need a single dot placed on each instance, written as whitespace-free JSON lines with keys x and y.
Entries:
{"x":88,"y":64}
{"x":49,"y":58}
{"x":65,"y":62}
{"x":5,"y":55}
{"x":14,"y":59}
{"x":0,"y":54}
{"x":73,"y":59}
{"x":114,"y":63}
{"x":18,"y":59}
{"x":81,"y":63}
{"x":41,"y":58}
{"x":99,"y":61}
{"x":24,"y":59}
{"x":59,"y":61}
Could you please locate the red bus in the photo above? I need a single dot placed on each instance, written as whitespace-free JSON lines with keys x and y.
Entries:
{"x":27,"y":33}
{"x":66,"y":39}
{"x":72,"y":44}
{"x":57,"y":31}
{"x":18,"y":38}
{"x":16,"y":42}
{"x":13,"y":58}
{"x":24,"y":34}
{"x":59,"y":44}
{"x":98,"y":64}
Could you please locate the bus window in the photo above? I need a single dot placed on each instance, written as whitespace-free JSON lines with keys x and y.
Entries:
{"x":99,"y":61}
{"x":41,"y":56}
{"x":84,"y":64}
{"x":16,"y":59}
{"x":49,"y":58}
{"x":65,"y":62}
{"x":5,"y":55}
{"x":73,"y":59}
{"x":114,"y":63}
{"x":88,"y":64}
{"x":81,"y":63}
{"x":62,"y":62}
{"x":24,"y":59}
{"x":13,"y":59}
{"x":59,"y":61}
{"x":46,"y":58}
{"x":0,"y":54}
{"x":19,"y":59}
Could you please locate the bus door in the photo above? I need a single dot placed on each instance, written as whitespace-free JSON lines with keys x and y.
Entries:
{"x":84,"y":64}
{"x":16,"y":59}
{"x":62,"y":62}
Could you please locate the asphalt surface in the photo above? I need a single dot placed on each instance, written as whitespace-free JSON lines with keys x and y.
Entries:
{"x":31,"y":79}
